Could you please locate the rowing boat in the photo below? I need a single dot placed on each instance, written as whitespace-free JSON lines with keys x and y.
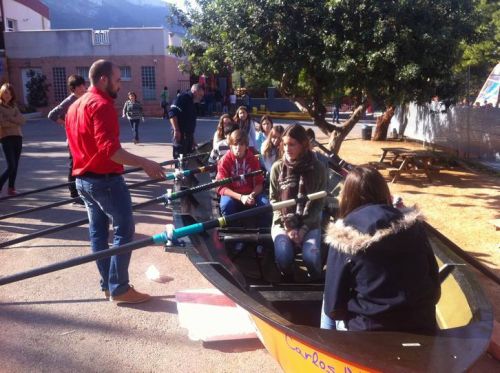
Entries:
{"x":287,"y":315}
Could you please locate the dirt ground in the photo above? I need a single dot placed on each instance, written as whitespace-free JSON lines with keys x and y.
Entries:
{"x":60,"y":322}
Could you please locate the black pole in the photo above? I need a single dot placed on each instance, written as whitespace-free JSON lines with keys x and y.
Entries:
{"x":69,"y":200}
{"x":165,"y":163}
{"x":200,"y":188}
{"x":77,"y":261}
{"x":76,"y":223}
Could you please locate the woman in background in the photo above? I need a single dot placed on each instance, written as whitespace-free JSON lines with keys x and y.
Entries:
{"x":246,"y":124}
{"x":132,"y":110}
{"x":265,"y":126}
{"x":11,"y":136}
{"x":224,"y":120}
{"x":272,"y":148}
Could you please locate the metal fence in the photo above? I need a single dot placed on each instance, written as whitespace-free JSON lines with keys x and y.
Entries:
{"x":471,"y":132}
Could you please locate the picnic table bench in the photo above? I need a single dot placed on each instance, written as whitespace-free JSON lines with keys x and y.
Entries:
{"x":396,"y":152}
{"x":415,"y":161}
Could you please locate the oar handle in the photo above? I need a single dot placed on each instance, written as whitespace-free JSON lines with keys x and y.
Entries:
{"x":291,"y":202}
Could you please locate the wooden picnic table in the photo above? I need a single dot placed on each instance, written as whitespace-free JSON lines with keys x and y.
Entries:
{"x":395,"y":151}
{"x":415,"y":161}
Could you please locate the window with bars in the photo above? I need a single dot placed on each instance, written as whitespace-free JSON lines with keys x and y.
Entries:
{"x":83,"y":71}
{"x":126,"y":73}
{"x":59,"y":83}
{"x":11,"y":25}
{"x":148,"y":82}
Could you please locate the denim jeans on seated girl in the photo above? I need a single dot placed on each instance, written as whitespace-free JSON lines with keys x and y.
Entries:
{"x":284,"y":251}
{"x":329,"y":323}
{"x":107,"y":199}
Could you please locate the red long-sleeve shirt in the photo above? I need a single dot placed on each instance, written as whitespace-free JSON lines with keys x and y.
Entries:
{"x":93,"y":133}
{"x":229,"y":166}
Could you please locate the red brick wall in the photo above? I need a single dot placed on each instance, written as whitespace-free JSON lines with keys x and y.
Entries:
{"x":166,"y":71}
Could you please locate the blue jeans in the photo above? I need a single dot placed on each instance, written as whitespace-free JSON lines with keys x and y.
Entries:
{"x":108,"y":199}
{"x":329,"y":323}
{"x":230,"y":206}
{"x":134,"y":124}
{"x":284,"y":251}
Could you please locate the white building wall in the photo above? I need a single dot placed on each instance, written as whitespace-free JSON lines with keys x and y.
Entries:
{"x":27,"y":18}
{"x":73,"y":43}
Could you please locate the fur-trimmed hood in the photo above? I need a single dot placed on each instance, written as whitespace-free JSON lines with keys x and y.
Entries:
{"x":369,"y":224}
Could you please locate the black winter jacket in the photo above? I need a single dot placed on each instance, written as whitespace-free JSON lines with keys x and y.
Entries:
{"x":381,"y":271}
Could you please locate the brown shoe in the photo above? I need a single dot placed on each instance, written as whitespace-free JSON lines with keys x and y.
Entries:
{"x":131,"y":296}
{"x":106,"y":294}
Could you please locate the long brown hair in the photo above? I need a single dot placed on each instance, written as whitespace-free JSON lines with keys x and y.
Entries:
{"x":362,"y":186}
{"x":236,"y":119}
{"x":268,"y":118}
{"x":299,"y":134}
{"x":10,"y":88}
{"x":267,"y":146}
{"x":220,"y":126}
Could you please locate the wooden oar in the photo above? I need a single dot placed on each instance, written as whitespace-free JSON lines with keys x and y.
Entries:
{"x":158,"y":239}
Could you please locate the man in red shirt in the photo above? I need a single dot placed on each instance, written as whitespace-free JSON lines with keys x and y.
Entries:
{"x":93,"y":135}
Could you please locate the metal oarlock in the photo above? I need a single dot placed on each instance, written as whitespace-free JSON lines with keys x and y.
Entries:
{"x":171,"y":240}
{"x":168,"y":196}
{"x":178,"y":174}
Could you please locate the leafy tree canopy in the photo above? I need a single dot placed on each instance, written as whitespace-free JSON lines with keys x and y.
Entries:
{"x":392,"y":51}
{"x":482,"y":53}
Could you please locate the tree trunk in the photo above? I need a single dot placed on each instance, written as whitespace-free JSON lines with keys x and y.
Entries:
{"x":340,"y":132}
{"x":317,"y":113}
{"x":383,"y":124}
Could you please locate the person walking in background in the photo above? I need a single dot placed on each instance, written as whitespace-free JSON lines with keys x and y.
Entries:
{"x":335,"y":113}
{"x":218,"y":101}
{"x":225,"y":103}
{"x":77,"y":87}
{"x":11,"y":136}
{"x":165,"y":101}
{"x":132,"y":110}
{"x":182,"y":115}
{"x":93,"y":135}
{"x":232,"y":102}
